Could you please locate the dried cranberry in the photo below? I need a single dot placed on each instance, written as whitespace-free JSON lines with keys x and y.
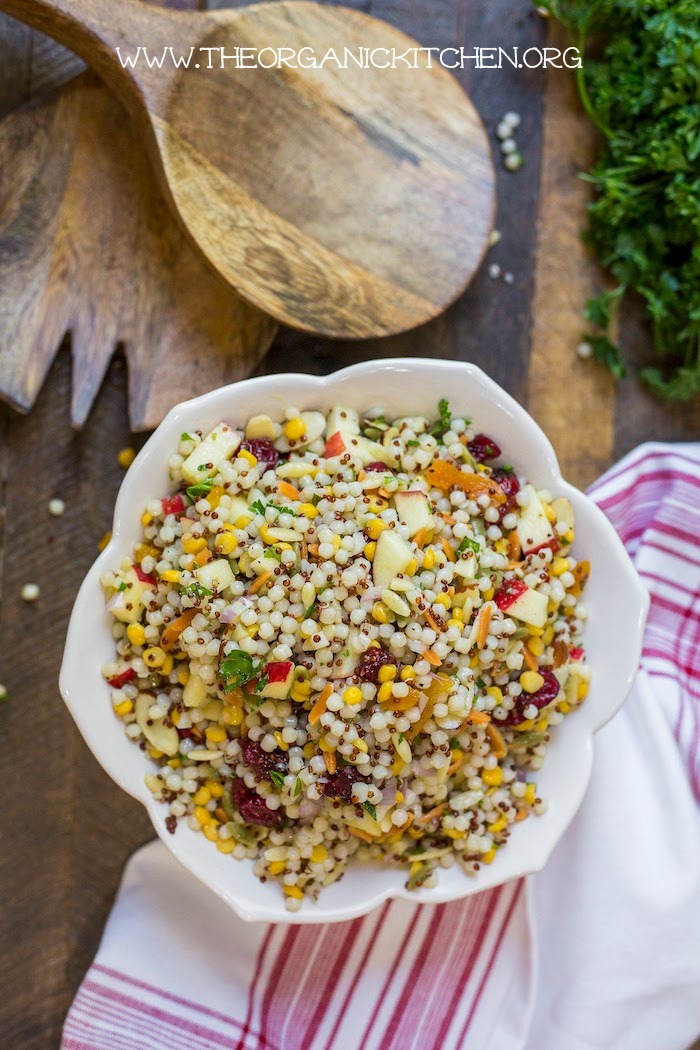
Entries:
{"x":264,"y":451}
{"x":371,"y":661}
{"x":173,"y":504}
{"x":483,"y":448}
{"x":547,"y":692}
{"x":253,"y":808}
{"x":511,"y":487}
{"x":339,"y":785}
{"x":263,"y":762}
{"x":377,"y":465}
{"x":121,"y":679}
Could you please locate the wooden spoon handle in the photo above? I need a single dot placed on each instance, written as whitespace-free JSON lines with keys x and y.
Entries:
{"x":94,"y":29}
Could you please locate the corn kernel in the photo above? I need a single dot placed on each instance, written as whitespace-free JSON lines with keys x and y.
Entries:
{"x":429,"y":559}
{"x":202,"y":815}
{"x":136,"y":634}
{"x":308,"y":510}
{"x":175,"y":717}
{"x":167,"y":665}
{"x":125,"y":708}
{"x":443,"y":599}
{"x":379,"y":612}
{"x":154,"y":656}
{"x":210,"y":831}
{"x":399,"y":797}
{"x":458,"y":614}
{"x":126,"y":457}
{"x":281,"y":742}
{"x":536,"y":632}
{"x":387,"y":672}
{"x":569,"y":536}
{"x":542,"y":725}
{"x":487,"y":858}
{"x":385,"y":692}
{"x":253,"y":630}
{"x":294,"y":429}
{"x":155,"y":753}
{"x":412,"y":567}
{"x":226,"y":845}
{"x":375,"y":527}
{"x":495,"y":692}
{"x":232,"y":716}
{"x":488,"y":595}
{"x":293,"y":891}
{"x":242,"y":521}
{"x":319,"y":854}
{"x":525,"y":726}
{"x":201,"y":796}
{"x":407,"y":674}
{"x":536,"y":646}
{"x":550,"y":513}
{"x":582,"y":691}
{"x":353,"y":695}
{"x":146,"y":518}
{"x":454,"y":834}
{"x":170,"y":576}
{"x":174,"y":763}
{"x":303,"y":686}
{"x":497,"y":826}
{"x":183,"y":675}
{"x":214,"y":496}
{"x":193,"y":544}
{"x":276,"y":867}
{"x":377,"y":504}
{"x":564,"y":706}
{"x":225,"y":543}
{"x":217,"y":734}
{"x":548,"y":634}
{"x":248,"y":456}
{"x":370,"y":550}
{"x":361,"y":746}
{"x":530,"y":793}
{"x":145,"y":550}
{"x":492,"y":777}
{"x":559,"y":566}
{"x":309,"y":749}
{"x":531,"y":681}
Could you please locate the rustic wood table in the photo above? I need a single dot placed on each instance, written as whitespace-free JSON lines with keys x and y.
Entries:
{"x":66,"y":830}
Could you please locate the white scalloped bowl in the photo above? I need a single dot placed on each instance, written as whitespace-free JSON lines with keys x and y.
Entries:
{"x":616,"y":599}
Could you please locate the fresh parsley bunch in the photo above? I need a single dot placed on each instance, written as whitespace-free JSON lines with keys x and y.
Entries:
{"x":639,"y":83}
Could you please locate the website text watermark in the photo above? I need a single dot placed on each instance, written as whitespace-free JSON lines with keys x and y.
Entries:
{"x":353,"y":58}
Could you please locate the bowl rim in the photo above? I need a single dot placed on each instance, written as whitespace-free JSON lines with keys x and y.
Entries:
{"x":70,"y":685}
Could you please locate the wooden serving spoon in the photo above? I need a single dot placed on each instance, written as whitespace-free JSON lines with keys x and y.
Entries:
{"x":350,"y":202}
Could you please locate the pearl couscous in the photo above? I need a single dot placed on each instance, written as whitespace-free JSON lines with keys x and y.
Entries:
{"x":348,"y":638}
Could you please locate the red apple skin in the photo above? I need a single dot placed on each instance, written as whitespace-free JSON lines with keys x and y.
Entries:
{"x":334,"y":445}
{"x":553,"y":544}
{"x":144,"y":577}
{"x":576,"y":654}
{"x":278,"y":672}
{"x":509,"y":593}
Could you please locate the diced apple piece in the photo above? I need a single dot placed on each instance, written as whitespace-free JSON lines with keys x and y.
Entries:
{"x":343,"y":419}
{"x":516,"y":599}
{"x":214,"y":449}
{"x":296,"y":468}
{"x":261,"y":427}
{"x":348,"y":659}
{"x":164,"y":738}
{"x":335,"y":445}
{"x":392,"y":556}
{"x":280,"y":675}
{"x":534,"y":530}
{"x":564,"y":512}
{"x":373,"y":827}
{"x":359,"y":447}
{"x":195,"y":692}
{"x":413,"y":508}
{"x":216,"y":575}
{"x":128,"y":604}
{"x":466,"y":566}
{"x":315,"y":423}
{"x":265,"y":563}
{"x":238,"y":509}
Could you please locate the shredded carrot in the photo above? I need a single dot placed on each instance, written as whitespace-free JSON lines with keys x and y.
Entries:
{"x":203,"y":557}
{"x":403,"y":703}
{"x":580,"y":572}
{"x":420,"y":538}
{"x":258,"y":583}
{"x":436,"y":812}
{"x":289,"y":490}
{"x":514,"y":549}
{"x":433,"y":623}
{"x":482,"y":632}
{"x":445,"y":475}
{"x":418,"y":726}
{"x":530,"y":659}
{"x":498,"y":744}
{"x":448,"y":519}
{"x":478,"y":718}
{"x":449,"y":550}
{"x":320,"y":705}
{"x":313,"y":549}
{"x":432,"y":658}
{"x":359,"y":834}
{"x":456,"y":763}
{"x":522,"y":814}
{"x":220,"y":815}
{"x":384,"y":493}
{"x":330,"y":760}
{"x":173,"y":631}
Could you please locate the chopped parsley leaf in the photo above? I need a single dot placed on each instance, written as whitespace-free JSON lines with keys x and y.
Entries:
{"x":238,"y":667}
{"x":297,"y":788}
{"x":196,"y":492}
{"x":481,"y":684}
{"x":444,"y":422}
{"x":468,"y":544}
{"x":186,"y":437}
{"x":371,"y":809}
{"x":277,"y":778}
{"x":197,"y":590}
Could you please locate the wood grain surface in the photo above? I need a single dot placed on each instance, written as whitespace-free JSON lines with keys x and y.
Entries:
{"x":65,"y":829}
{"x":344,"y":201}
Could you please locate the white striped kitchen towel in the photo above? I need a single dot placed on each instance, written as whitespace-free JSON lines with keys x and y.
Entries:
{"x":599,"y":950}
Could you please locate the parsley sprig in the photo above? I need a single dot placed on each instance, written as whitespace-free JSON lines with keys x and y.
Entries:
{"x":444,"y":422}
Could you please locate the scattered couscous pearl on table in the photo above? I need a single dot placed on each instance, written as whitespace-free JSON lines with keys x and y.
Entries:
{"x":4,"y":695}
{"x":30,"y":592}
{"x":344,"y":638}
{"x":56,"y":508}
